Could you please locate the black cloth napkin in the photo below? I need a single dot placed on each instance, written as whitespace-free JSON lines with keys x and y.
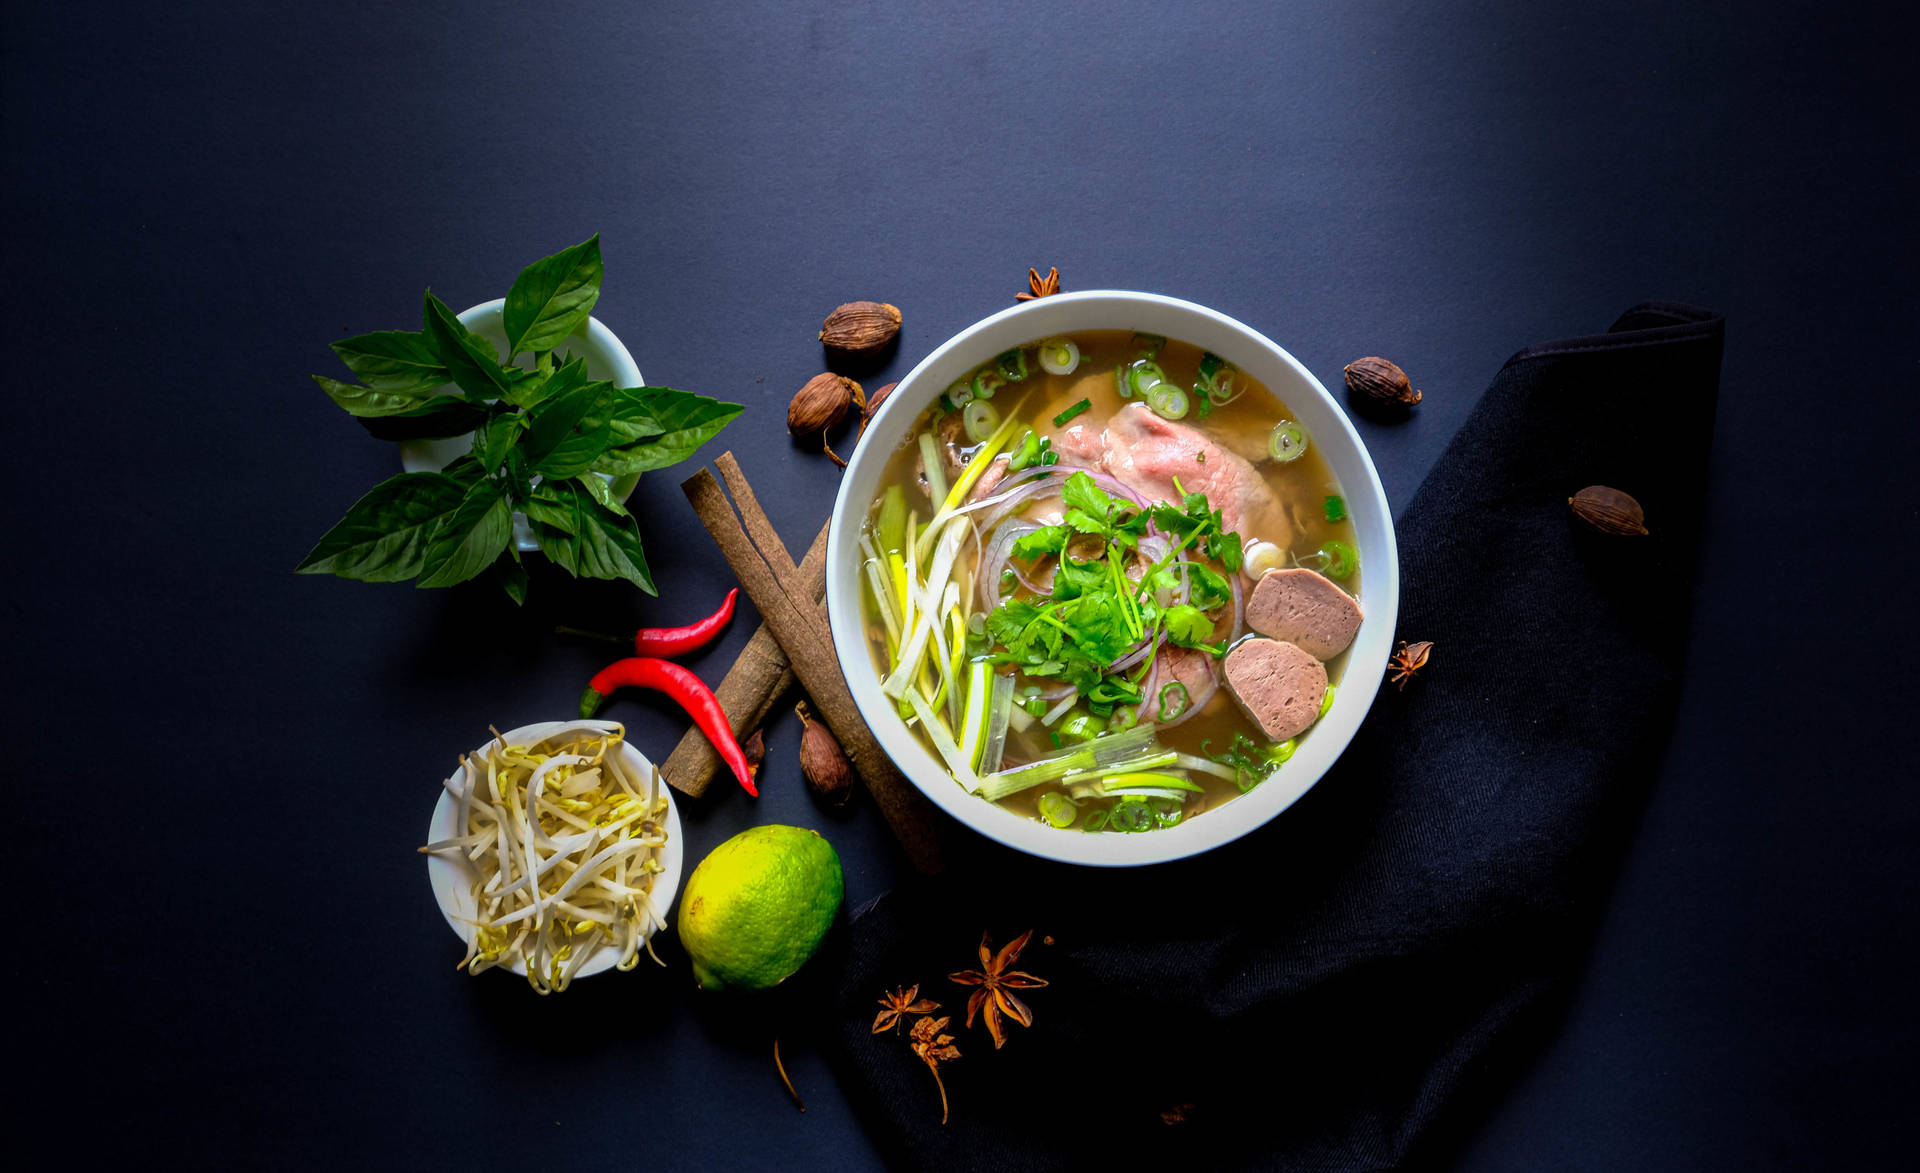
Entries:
{"x":1349,"y":986}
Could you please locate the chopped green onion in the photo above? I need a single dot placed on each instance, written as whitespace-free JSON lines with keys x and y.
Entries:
{"x":1057,"y":810}
{"x":1340,"y":559}
{"x":1287,"y":442}
{"x":1139,"y":378}
{"x":1280,"y":753}
{"x":1167,"y":401}
{"x":1336,"y":509}
{"x":934,"y":466}
{"x":1096,"y":821}
{"x":1261,"y":557}
{"x":1173,"y":700}
{"x":1061,"y":420}
{"x":1034,"y":706}
{"x":1149,"y":345}
{"x":1131,"y":816}
{"x":985,"y":383}
{"x":1326,"y":702}
{"x":892,"y":523}
{"x":1084,"y":727}
{"x":1035,"y":451}
{"x":958,"y":394}
{"x":1160,"y":781}
{"x":1058,"y":356}
{"x":980,"y":419}
{"x":1013,"y":365}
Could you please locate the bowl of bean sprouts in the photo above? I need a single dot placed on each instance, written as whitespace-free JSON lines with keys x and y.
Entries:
{"x":554,"y":852}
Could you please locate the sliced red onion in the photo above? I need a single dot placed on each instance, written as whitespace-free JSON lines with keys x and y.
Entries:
{"x":997,"y":553}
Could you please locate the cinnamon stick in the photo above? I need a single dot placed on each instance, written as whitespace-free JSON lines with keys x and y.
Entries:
{"x":758,"y":678}
{"x":797,"y":623}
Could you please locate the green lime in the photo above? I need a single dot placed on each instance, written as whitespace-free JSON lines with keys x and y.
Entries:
{"x":758,"y":906}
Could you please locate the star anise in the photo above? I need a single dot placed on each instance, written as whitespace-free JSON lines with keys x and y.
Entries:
{"x":899,"y":1003}
{"x":997,"y":980}
{"x":1038,"y":285}
{"x":934,"y":1049}
{"x":1408,"y":660}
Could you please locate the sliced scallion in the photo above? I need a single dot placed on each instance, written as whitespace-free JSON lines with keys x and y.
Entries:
{"x":985,"y":382}
{"x":1288,"y":441}
{"x":980,"y":419}
{"x":1061,"y":420}
{"x":1057,"y":810}
{"x":1167,"y":401}
{"x":1013,"y":365}
{"x":1058,"y":356}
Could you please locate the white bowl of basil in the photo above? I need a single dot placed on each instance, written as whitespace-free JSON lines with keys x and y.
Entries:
{"x":606,"y":358}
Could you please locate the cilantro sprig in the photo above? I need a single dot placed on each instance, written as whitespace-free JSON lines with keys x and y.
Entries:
{"x":1096,"y":612}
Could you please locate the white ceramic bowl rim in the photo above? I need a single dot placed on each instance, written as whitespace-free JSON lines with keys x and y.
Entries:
{"x":1327,"y":426}
{"x":452,"y":876}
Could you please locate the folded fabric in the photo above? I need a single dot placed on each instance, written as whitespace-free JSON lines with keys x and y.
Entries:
{"x":1347,"y":987}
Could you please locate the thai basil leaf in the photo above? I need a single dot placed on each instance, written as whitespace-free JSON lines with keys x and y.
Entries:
{"x":373,"y":402}
{"x":468,"y":540}
{"x":393,"y":360}
{"x":567,"y":432}
{"x":584,"y":539}
{"x":602,"y":493}
{"x":502,"y":432}
{"x":512,"y":578}
{"x":552,"y":298}
{"x":383,"y":538}
{"x":537,"y":386}
{"x":438,"y":418}
{"x":684,"y":422}
{"x":471,"y":360}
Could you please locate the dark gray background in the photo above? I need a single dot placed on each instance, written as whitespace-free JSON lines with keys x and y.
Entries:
{"x":224,"y":949}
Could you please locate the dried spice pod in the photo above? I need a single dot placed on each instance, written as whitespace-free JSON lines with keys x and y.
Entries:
{"x":1609,"y":510}
{"x":1402,"y":665}
{"x":1380,"y":381}
{"x":822,"y":405}
{"x":822,"y":762}
{"x":861,"y":327}
{"x":1038,"y":286}
{"x":873,"y":405}
{"x":754,"y":749}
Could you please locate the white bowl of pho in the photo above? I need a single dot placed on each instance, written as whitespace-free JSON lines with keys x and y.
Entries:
{"x":1112,"y":578}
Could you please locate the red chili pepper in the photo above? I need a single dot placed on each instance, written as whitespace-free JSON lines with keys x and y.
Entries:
{"x":673,"y":641}
{"x":688,"y":690}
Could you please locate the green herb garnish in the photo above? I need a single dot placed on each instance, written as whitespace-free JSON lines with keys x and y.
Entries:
{"x":1061,"y":420}
{"x":1034,"y":451}
{"x":542,"y":438}
{"x":1096,"y":610}
{"x":1336,"y":509}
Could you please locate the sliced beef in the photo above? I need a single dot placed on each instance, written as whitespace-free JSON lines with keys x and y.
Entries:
{"x":1145,"y":453}
{"x":1279,"y":685}
{"x":1305,"y":609}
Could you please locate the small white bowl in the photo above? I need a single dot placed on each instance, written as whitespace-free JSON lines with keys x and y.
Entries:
{"x":1328,"y":428}
{"x":606,"y":358}
{"x":452,"y":876}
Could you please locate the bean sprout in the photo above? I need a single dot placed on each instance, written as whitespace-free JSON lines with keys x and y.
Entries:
{"x":564,"y":844}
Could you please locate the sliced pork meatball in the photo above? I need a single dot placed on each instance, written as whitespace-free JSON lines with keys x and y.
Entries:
{"x":1279,"y":686}
{"x":1304,"y":609}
